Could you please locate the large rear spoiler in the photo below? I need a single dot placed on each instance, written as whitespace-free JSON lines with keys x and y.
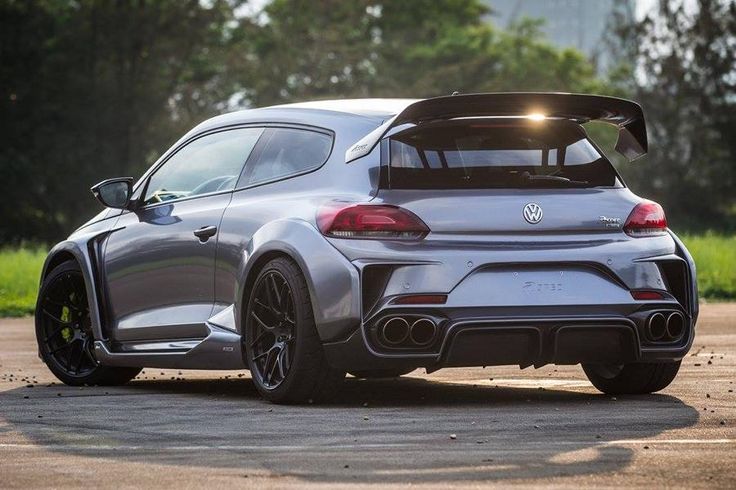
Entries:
{"x":625,"y":114}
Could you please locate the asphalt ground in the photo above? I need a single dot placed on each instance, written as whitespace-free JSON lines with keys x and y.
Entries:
{"x":457,"y":427}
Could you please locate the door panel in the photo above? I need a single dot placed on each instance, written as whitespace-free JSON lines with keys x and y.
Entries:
{"x":160,"y":276}
{"x":160,"y":265}
{"x":274,"y":168}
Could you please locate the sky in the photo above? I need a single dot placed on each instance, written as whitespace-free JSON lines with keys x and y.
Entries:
{"x":642,"y":6}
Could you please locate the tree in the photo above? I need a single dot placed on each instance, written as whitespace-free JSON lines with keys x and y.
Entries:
{"x":95,"y":89}
{"x":412,"y":48}
{"x":683,"y":69}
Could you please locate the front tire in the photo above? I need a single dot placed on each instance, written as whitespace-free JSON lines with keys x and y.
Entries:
{"x":282,"y":348}
{"x":632,"y":379}
{"x":64,"y":331}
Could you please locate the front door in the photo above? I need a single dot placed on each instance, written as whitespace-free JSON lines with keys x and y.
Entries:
{"x":159,"y":264}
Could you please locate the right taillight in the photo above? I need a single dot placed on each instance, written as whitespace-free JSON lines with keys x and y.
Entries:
{"x":377,"y":221}
{"x":647,"y":219}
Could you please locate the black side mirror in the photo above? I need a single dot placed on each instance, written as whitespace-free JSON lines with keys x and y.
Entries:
{"x":114,"y":193}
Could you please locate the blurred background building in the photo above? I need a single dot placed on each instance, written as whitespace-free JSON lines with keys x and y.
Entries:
{"x":579,"y":24}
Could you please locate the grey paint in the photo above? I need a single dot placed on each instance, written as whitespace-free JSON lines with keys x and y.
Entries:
{"x":176,"y":302}
{"x":158,"y":273}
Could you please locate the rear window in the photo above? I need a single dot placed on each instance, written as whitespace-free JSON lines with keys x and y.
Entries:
{"x":501,"y":153}
{"x":283,"y":152}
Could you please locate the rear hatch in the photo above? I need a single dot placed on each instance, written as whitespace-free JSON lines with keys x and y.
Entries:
{"x":504,"y":175}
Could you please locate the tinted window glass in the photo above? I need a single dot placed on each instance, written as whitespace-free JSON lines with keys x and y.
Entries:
{"x":211,"y":163}
{"x":506,"y":153}
{"x":287,"y":151}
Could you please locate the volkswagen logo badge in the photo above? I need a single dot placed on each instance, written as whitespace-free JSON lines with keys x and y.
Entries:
{"x":533,"y":213}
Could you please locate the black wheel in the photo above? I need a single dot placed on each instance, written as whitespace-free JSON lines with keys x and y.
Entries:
{"x":381,"y":373}
{"x":282,"y":348}
{"x":632,"y":379}
{"x":64,"y":331}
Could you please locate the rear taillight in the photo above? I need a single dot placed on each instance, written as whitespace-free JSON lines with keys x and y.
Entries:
{"x":370,"y":221}
{"x":647,"y":219}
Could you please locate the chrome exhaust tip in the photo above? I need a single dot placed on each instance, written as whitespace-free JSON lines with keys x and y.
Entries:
{"x":394,"y":331}
{"x":675,"y":325}
{"x":657,"y":326}
{"x":423,"y":331}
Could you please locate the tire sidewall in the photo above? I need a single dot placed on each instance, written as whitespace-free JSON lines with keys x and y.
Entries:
{"x":69,"y":266}
{"x":304,"y":321}
{"x":100,"y":374}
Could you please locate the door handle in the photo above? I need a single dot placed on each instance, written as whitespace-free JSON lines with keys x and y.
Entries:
{"x":205,"y":233}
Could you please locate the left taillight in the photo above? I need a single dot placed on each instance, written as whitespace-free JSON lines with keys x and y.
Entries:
{"x":376,"y":221}
{"x":646,"y":219}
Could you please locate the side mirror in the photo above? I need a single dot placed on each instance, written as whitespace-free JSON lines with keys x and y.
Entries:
{"x":114,"y":193}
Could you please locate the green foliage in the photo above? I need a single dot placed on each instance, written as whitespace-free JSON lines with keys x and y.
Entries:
{"x":20,"y":270}
{"x":715,"y":259}
{"x":93,"y":89}
{"x":682,"y":66}
{"x":418,"y":48}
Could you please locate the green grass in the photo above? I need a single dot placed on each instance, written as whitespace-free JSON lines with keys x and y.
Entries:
{"x":715,"y":257}
{"x":20,"y":270}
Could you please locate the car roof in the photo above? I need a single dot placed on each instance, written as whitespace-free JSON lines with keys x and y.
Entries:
{"x":360,"y":107}
{"x":330,"y":114}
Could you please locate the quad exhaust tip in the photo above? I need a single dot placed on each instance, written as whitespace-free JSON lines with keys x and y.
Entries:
{"x":397,"y":330}
{"x":657,"y":326}
{"x":394,"y":331}
{"x":675,"y":325}
{"x":423,"y":331}
{"x":663,"y":326}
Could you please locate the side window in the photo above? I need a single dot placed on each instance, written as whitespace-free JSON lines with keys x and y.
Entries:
{"x":208,"y":164}
{"x":286,"y":151}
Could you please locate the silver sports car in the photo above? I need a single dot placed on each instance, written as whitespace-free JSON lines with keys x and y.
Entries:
{"x":374,"y":237}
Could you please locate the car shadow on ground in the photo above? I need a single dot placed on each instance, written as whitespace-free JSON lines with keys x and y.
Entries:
{"x":406,"y":430}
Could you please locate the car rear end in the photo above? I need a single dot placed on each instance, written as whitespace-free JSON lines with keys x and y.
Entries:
{"x":509,"y":240}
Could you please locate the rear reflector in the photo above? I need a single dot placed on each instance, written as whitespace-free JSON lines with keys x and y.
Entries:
{"x":370,"y":221}
{"x":647,"y":219}
{"x":421,"y":299}
{"x":647,"y":295}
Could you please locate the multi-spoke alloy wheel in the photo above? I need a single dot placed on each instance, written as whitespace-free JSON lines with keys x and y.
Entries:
{"x":282,"y":348}
{"x":273,"y":329}
{"x":65,"y":325}
{"x":64,"y":331}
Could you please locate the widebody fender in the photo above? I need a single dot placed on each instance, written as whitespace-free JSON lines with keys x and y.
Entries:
{"x":333,"y":282}
{"x":84,"y":246}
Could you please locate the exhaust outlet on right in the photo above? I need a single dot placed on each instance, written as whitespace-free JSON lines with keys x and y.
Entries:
{"x":675,"y":325}
{"x":665,"y":326}
{"x":423,"y":332}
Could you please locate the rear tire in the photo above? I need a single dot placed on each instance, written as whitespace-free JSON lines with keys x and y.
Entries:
{"x":64,"y":331}
{"x":282,"y":348}
{"x":632,"y":379}
{"x":381,"y":373}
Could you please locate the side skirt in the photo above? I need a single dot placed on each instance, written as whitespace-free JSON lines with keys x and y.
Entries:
{"x":220,"y":349}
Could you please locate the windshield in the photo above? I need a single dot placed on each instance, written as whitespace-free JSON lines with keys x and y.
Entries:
{"x":498,"y":153}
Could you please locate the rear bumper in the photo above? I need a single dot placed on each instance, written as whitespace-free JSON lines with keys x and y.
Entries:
{"x":545,"y":335}
{"x":533,"y":302}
